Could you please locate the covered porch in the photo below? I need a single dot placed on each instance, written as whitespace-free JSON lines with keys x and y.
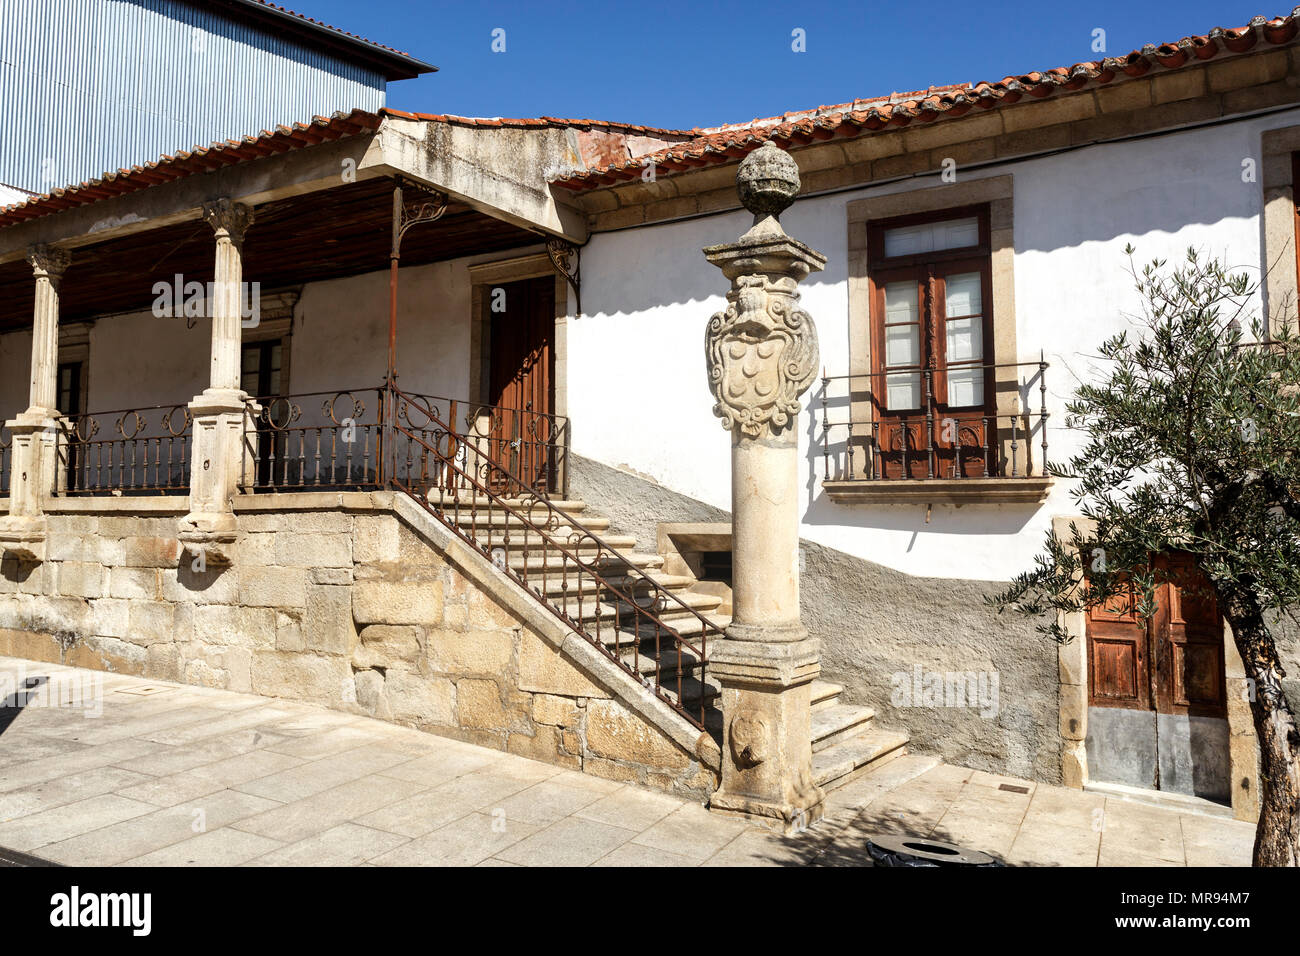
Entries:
{"x":329,"y":284}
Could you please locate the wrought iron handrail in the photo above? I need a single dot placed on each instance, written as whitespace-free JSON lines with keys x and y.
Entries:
{"x":999,"y":450}
{"x":496,"y":498}
{"x":124,"y":463}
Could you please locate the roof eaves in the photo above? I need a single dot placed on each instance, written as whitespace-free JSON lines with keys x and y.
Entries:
{"x":198,"y":159}
{"x":721,"y":144}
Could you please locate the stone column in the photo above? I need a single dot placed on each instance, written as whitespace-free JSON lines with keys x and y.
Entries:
{"x":35,"y":431}
{"x":762,"y":355}
{"x":216,"y":457}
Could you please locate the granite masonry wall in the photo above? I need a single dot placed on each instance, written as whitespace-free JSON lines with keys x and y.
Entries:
{"x":337,"y":600}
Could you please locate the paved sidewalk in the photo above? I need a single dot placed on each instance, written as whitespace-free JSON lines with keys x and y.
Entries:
{"x":168,"y":774}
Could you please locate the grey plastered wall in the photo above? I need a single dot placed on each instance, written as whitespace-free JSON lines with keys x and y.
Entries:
{"x":875,"y":622}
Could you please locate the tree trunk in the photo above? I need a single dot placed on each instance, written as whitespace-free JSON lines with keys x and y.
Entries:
{"x":1277,"y":838}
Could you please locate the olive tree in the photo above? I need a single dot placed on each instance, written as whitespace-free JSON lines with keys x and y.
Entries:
{"x":1190,"y":442}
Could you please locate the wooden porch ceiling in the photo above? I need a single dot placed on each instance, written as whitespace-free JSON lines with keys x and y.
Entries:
{"x":320,"y":235}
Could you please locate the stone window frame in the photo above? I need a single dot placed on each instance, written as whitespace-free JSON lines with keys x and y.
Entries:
{"x":997,"y":194}
{"x":513,"y":269}
{"x":1281,"y":226}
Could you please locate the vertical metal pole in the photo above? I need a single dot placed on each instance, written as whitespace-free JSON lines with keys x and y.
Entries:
{"x":390,"y":378}
{"x":394,"y":256}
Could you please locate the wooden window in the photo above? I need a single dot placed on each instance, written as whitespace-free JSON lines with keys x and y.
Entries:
{"x":932,"y":390}
{"x":261,"y":368}
{"x":72,"y":395}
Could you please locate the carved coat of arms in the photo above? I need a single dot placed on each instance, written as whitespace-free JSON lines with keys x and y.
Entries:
{"x":762,"y":355}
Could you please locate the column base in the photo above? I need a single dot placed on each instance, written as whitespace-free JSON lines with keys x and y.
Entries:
{"x":787,"y":817}
{"x":213,"y":534}
{"x":22,"y":538}
{"x":767,"y":731}
{"x":210,"y":526}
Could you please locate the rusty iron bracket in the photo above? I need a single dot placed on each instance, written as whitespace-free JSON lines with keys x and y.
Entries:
{"x":567,"y":259}
{"x":427,"y":208}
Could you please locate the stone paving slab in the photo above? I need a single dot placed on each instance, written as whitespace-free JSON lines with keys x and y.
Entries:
{"x":159,"y":774}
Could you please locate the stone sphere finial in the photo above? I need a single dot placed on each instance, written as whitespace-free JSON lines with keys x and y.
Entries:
{"x":768,"y":181}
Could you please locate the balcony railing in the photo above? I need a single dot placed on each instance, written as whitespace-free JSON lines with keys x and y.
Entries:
{"x":142,"y":450}
{"x":933,"y":438}
{"x":345,"y":440}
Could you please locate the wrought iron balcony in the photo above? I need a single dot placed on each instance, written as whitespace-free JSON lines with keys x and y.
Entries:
{"x":953,"y":434}
{"x":349,"y":440}
{"x":143,"y":450}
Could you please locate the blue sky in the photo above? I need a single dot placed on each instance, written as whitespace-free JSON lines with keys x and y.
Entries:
{"x":694,"y":63}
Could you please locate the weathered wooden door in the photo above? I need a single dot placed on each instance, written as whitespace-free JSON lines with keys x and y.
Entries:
{"x":1157,"y":715}
{"x":522,"y":381}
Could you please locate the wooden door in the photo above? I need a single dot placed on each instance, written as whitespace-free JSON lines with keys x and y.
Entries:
{"x":1187,"y":636}
{"x":1118,"y":655}
{"x":522,"y":380}
{"x":1157,"y":689}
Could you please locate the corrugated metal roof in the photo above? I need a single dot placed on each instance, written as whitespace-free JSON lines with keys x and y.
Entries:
{"x":124,"y":81}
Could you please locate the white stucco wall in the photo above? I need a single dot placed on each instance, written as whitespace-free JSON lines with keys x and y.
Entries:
{"x":636,"y":370}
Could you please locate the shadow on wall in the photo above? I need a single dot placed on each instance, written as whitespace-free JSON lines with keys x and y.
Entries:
{"x":974,"y":687}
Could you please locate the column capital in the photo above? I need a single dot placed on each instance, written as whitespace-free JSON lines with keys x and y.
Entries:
{"x":228,"y":219}
{"x":48,"y":262}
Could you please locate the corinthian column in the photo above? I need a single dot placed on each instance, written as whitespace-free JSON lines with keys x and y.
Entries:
{"x":762,"y":355}
{"x":218,"y":412}
{"x":35,"y":431}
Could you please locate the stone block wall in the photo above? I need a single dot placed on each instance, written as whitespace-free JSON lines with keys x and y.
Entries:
{"x":350,"y":607}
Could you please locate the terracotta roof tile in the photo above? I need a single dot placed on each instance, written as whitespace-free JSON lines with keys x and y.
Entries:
{"x":186,"y":162}
{"x":540,"y":122}
{"x":724,"y":143}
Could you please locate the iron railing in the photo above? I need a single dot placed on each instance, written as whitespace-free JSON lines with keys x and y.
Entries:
{"x":341,"y":440}
{"x":337,"y":446}
{"x":932,"y":441}
{"x":147,"y":451}
{"x":575,"y":574}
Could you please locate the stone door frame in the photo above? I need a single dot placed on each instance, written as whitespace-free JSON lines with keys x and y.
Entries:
{"x":1072,"y":683}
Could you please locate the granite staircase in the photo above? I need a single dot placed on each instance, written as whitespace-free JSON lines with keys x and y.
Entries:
{"x":846,"y":742}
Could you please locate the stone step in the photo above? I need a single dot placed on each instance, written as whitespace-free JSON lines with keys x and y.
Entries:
{"x":588,"y":611}
{"x":517,"y":541}
{"x":686,"y":625}
{"x":668,"y":608}
{"x":570,"y":579}
{"x":500,"y":519}
{"x":571,"y":583}
{"x":836,"y":766}
{"x":825,"y":694}
{"x":607,"y":565}
{"x":837,"y":723}
{"x":465,"y":501}
{"x":670,"y":582}
{"x":642,"y":657}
